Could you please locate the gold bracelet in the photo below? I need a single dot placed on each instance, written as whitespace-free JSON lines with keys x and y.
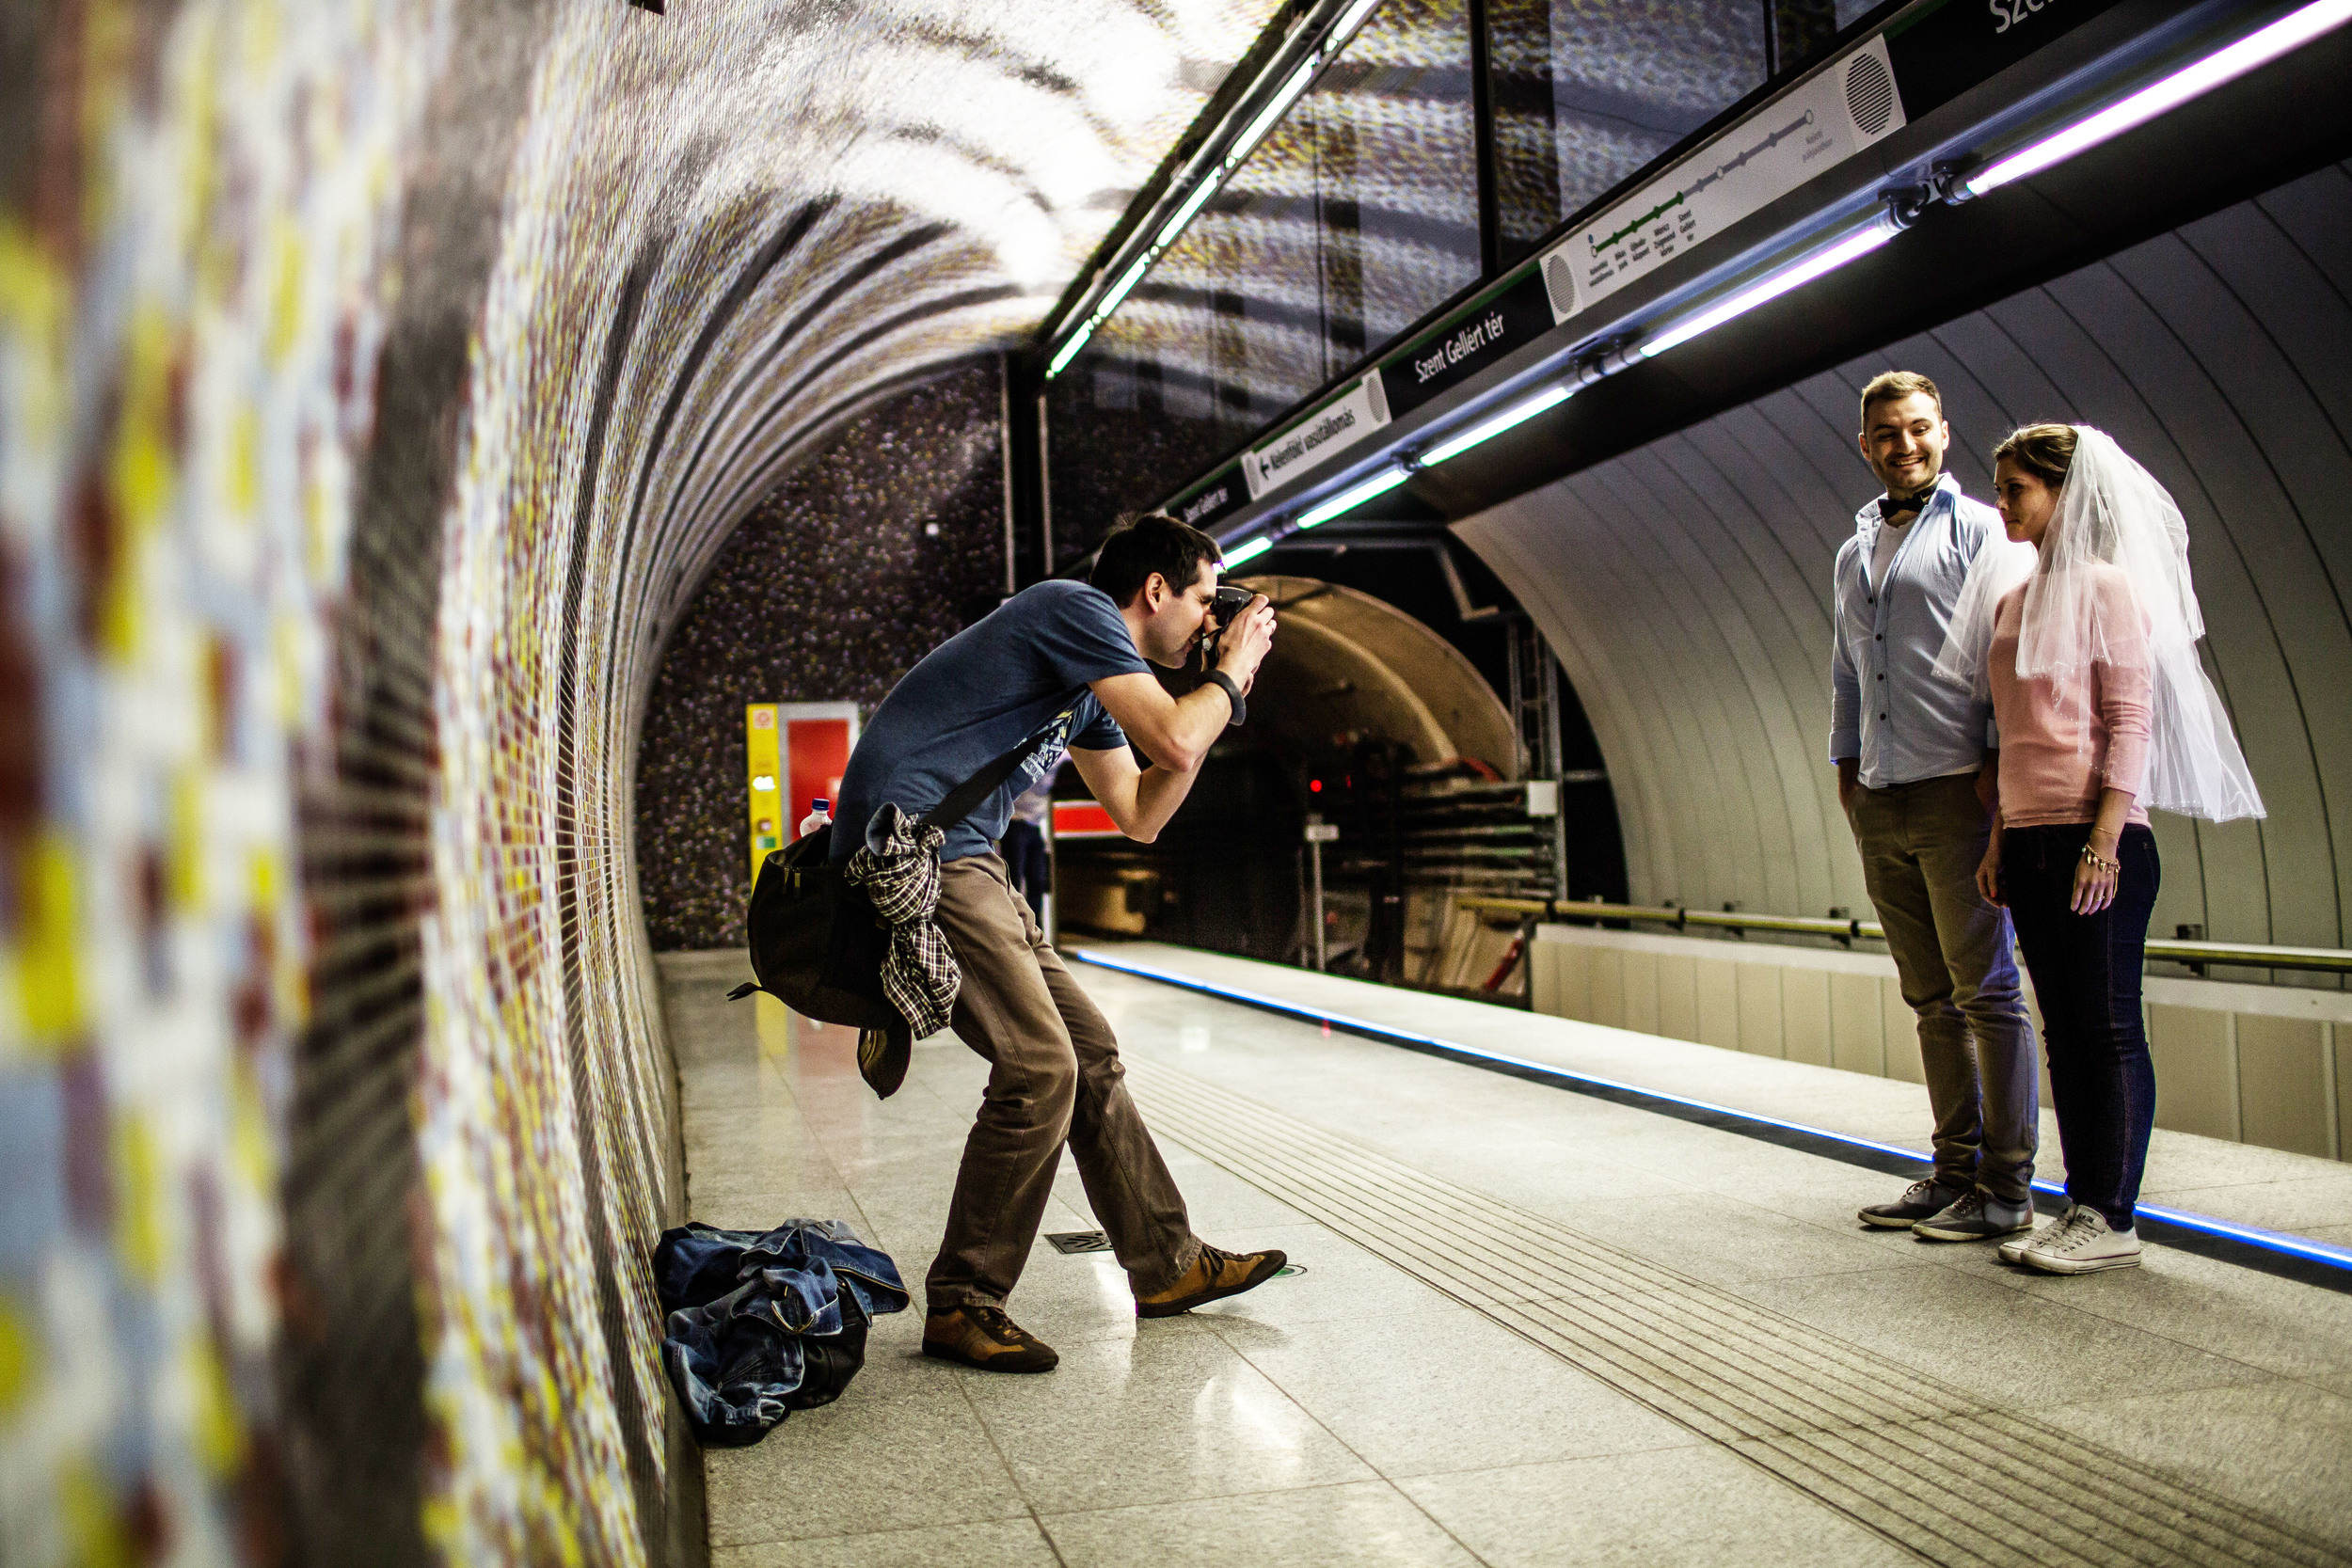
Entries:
{"x":2100,"y":863}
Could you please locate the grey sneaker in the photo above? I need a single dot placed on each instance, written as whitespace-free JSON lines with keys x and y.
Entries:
{"x":1975,"y":1216}
{"x":2085,"y":1243}
{"x":1921,"y":1200}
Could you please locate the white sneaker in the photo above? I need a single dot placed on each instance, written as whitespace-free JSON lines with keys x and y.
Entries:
{"x":2082,"y":1243}
{"x":2015,"y":1245}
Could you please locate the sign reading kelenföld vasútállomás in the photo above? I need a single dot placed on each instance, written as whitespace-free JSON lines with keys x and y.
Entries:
{"x":1315,"y":440}
{"x":1467,"y":345}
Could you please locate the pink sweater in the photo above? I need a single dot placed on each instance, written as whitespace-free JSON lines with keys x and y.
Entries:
{"x":2051,"y":769}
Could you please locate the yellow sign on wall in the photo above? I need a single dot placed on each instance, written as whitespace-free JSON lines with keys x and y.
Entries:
{"x":764,"y":743}
{"x":795,"y":754}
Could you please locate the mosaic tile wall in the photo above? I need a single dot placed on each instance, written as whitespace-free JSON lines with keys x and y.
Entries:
{"x":377,"y":377}
{"x":195,"y":244}
{"x":830,"y":590}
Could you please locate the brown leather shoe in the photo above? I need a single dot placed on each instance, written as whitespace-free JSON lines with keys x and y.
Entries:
{"x":983,"y":1337}
{"x":1213,"y":1277}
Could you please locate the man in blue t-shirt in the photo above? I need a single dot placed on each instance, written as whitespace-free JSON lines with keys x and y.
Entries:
{"x":1063,"y":666}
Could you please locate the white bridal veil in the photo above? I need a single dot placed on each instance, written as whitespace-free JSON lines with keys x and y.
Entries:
{"x":2113,"y":517}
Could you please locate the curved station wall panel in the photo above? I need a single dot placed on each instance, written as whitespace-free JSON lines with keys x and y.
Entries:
{"x":1685,"y":584}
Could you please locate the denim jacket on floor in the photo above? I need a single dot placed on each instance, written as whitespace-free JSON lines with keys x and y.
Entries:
{"x":761,"y":1323}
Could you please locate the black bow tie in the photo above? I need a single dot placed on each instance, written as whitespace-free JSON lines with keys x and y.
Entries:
{"x":1889,"y":506}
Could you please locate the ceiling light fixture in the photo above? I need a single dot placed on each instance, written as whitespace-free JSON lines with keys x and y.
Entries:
{"x":1517,"y":414}
{"x":1276,"y":108}
{"x":1250,"y":551}
{"x":1332,"y":42}
{"x":1772,"y":285}
{"x":1355,"y":495}
{"x":1069,"y":350}
{"x":1193,"y":204}
{"x":1349,"y":19}
{"x":1120,"y":290}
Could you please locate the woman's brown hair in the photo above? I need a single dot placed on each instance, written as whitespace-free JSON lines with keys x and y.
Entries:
{"x":2045,"y":450}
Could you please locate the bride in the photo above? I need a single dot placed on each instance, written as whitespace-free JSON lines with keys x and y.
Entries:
{"x":2087,"y":646}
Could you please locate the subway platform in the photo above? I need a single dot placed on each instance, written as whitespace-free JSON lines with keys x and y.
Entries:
{"x":1529,"y":1327}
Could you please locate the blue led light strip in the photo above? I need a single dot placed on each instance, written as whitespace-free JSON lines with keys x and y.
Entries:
{"x":2302,"y":1250}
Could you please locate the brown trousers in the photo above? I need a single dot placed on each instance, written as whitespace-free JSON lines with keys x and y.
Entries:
{"x":1055,"y":1078}
{"x":1920,"y":845}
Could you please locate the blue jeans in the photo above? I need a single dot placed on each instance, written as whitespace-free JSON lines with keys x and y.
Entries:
{"x":2086,"y":974}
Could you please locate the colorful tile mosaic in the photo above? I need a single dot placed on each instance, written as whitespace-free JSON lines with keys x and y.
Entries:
{"x":192,"y":286}
{"x":377,"y":380}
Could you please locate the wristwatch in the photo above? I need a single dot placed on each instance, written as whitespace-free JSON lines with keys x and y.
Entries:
{"x":1233,"y":694}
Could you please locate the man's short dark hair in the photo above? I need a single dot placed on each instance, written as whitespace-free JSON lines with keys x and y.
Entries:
{"x":1892,"y":386}
{"x":1136,"y":547}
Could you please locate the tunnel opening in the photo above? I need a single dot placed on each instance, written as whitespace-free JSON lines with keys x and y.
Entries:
{"x":1367,"y":723}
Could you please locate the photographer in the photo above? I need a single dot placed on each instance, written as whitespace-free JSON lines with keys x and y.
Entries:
{"x":1063,"y":663}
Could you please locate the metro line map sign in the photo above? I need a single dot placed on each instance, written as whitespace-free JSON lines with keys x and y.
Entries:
{"x":1814,"y":129}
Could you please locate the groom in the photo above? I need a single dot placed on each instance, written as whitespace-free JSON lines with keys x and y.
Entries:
{"x":1918,"y":774}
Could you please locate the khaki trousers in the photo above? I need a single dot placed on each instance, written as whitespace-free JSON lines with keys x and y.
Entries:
{"x":1055,"y":1078}
{"x":1920,"y":847}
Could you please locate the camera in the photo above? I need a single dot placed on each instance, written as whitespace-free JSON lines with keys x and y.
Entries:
{"x":1229,"y":604}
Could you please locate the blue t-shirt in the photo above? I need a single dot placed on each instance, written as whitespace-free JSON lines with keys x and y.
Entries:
{"x":1023,"y":670}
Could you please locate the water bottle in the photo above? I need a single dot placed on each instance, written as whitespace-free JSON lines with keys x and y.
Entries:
{"x":819,"y":812}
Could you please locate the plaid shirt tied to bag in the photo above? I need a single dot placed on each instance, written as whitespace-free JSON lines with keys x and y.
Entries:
{"x":919,"y":974}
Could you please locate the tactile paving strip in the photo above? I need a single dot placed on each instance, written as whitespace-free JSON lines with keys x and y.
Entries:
{"x":1793,"y":1401}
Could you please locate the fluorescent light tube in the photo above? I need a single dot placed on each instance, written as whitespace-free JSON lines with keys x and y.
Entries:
{"x":1069,"y":350}
{"x":1250,"y":551}
{"x":1354,"y":496}
{"x":1193,"y":204}
{"x":1517,"y":414}
{"x":1796,"y":275}
{"x":1274,"y":110}
{"x":1125,"y":285}
{"x":2289,"y":33}
{"x":1349,"y":18}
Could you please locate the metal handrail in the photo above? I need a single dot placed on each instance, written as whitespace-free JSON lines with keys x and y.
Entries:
{"x":2199,"y":954}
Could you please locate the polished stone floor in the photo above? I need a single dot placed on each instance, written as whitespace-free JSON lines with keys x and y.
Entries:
{"x":1532,"y":1327}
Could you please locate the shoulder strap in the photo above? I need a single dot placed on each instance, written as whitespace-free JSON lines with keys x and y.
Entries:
{"x":966,"y":797}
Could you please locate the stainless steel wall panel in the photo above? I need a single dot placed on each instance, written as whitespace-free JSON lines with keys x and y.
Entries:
{"x":2258,"y":435}
{"x":2316,"y":214}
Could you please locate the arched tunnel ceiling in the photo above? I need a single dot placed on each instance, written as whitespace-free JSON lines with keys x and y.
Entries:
{"x":1685,"y":585}
{"x":375,"y":378}
{"x":746,"y":218}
